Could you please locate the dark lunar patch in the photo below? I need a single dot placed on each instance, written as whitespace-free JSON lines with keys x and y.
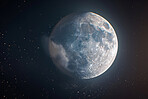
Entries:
{"x":109,"y":37}
{"x":85,"y":38}
{"x":77,"y":61}
{"x":84,"y":28}
{"x":98,"y":35}
{"x":78,"y":45}
{"x":87,"y":28}
{"x":106,"y":47}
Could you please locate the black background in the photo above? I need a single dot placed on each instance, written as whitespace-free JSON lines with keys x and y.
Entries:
{"x":27,"y":72}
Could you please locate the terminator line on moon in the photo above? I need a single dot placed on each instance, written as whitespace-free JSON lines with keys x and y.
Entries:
{"x":83,"y":45}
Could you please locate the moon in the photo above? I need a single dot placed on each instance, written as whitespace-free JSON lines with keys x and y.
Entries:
{"x":83,"y":45}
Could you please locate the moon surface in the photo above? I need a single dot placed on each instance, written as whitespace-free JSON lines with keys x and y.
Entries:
{"x":83,"y":45}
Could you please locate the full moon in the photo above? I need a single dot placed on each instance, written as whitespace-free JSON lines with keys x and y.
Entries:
{"x":83,"y":45}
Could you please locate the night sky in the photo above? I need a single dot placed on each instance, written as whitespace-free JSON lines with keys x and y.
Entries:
{"x":27,"y":72}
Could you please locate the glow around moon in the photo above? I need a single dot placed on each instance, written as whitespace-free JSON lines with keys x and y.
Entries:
{"x":83,"y":45}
